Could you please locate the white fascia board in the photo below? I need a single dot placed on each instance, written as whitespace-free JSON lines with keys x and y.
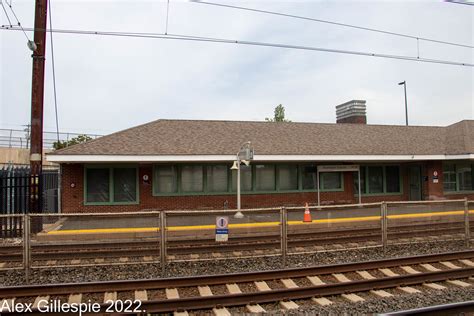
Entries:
{"x":211,"y":158}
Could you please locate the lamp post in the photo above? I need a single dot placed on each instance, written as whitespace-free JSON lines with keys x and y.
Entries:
{"x":247,"y":151}
{"x":406,"y":107}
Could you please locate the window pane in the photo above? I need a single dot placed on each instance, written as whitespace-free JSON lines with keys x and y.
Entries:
{"x":330,"y":180}
{"x":464,"y":177}
{"x":191,"y":179}
{"x":165,"y":179}
{"x":393,"y":179}
{"x":375,"y":179}
{"x":97,"y":185}
{"x":309,"y":177}
{"x":288,"y":177}
{"x":245,"y":178}
{"x":355,"y":176}
{"x":265,"y":180}
{"x":125,"y":185}
{"x":449,"y":177}
{"x":217,"y":178}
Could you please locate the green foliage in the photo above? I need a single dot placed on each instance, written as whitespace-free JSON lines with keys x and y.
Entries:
{"x":73,"y":141}
{"x":279,"y":115}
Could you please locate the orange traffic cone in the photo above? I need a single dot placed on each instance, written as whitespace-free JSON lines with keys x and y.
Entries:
{"x":307,"y":214}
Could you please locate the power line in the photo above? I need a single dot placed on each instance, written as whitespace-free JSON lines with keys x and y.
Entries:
{"x":243,"y":42}
{"x":54,"y":72}
{"x":6,"y":14}
{"x":16,"y":18}
{"x":334,"y":23}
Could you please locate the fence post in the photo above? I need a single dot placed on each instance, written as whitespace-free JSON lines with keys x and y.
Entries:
{"x":467,"y":229}
{"x":163,"y":241}
{"x":383,"y":218}
{"x":284,"y":234}
{"x":26,"y":247}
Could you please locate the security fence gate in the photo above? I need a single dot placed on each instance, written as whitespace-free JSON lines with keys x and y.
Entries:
{"x":16,"y":185}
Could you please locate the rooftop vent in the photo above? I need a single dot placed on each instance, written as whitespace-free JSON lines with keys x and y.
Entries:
{"x":353,"y":111}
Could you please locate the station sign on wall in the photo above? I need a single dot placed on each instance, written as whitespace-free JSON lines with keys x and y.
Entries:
{"x":338,"y":168}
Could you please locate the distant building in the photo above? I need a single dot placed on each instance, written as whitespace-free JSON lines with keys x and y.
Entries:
{"x":185,"y":164}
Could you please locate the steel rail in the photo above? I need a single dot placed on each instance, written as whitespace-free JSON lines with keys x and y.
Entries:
{"x":107,"y":286}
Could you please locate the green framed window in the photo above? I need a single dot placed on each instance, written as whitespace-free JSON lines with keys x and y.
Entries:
{"x":265,"y":177}
{"x":288,"y":177}
{"x":378,"y":180}
{"x":192,"y":178}
{"x":217,"y":178}
{"x":309,"y":177}
{"x":458,"y":177}
{"x":330,"y":181}
{"x":110,"y":185}
{"x":165,"y":179}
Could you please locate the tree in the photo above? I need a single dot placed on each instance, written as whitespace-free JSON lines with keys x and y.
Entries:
{"x":73,"y":141}
{"x":279,"y":115}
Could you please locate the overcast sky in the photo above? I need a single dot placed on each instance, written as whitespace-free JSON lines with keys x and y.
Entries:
{"x":105,"y":84}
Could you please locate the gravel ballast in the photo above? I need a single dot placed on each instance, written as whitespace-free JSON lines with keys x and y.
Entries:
{"x":176,"y":269}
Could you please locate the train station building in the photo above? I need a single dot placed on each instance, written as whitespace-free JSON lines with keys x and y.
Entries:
{"x":186,"y":164}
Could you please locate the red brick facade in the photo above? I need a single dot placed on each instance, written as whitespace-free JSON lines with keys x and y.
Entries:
{"x":72,"y":195}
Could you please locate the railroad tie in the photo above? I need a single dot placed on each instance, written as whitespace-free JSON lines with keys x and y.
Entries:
{"x":409,"y":270}
{"x":459,"y":283}
{"x":467,"y":262}
{"x":172,"y":293}
{"x":233,"y":288}
{"x":74,"y":299}
{"x":366,"y":275}
{"x":194,"y":256}
{"x":75,"y":261}
{"x":205,"y":290}
{"x":141,"y":295}
{"x":216,"y":254}
{"x":315,"y":280}
{"x":238,"y":253}
{"x":408,"y":289}
{"x":123,"y":259}
{"x":341,"y":277}
{"x":222,"y":311}
{"x":289,"y":283}
{"x":450,"y":265}
{"x":2,"y":264}
{"x":429,"y":267}
{"x":434,"y":286}
{"x":255,"y":309}
{"x":322,"y":301}
{"x":7,"y":302}
{"x":181,"y":313}
{"x":147,"y":258}
{"x":258,"y":252}
{"x":49,"y":262}
{"x":288,"y":305}
{"x":110,"y":296}
{"x":388,"y":272}
{"x":381,"y":293}
{"x":99,"y":260}
{"x":262,"y":286}
{"x":41,"y":301}
{"x":354,"y":298}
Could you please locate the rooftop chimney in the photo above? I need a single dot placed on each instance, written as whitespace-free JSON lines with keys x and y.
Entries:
{"x":351,"y":112}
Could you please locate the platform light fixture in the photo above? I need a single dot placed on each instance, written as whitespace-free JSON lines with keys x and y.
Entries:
{"x":404,"y":83}
{"x":244,"y":156}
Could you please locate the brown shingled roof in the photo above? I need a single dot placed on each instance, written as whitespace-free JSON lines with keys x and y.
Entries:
{"x":196,"y":137}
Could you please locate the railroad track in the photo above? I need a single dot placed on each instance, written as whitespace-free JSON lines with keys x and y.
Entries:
{"x":242,"y":246}
{"x":321,"y":285}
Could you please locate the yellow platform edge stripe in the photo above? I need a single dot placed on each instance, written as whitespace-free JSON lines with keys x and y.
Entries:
{"x":244,"y":225}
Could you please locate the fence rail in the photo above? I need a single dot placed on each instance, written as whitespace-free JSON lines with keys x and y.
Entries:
{"x":159,"y":232}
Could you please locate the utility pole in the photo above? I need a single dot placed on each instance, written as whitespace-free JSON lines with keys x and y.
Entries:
{"x":37,"y":98}
{"x":404,"y":83}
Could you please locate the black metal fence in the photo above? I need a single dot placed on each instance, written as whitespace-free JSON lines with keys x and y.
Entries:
{"x":23,"y":193}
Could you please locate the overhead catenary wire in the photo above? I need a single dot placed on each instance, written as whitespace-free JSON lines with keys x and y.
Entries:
{"x":53,"y":70}
{"x":243,"y":42}
{"x":333,"y":23}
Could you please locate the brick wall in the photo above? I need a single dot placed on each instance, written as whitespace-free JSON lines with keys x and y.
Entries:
{"x":72,"y":197}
